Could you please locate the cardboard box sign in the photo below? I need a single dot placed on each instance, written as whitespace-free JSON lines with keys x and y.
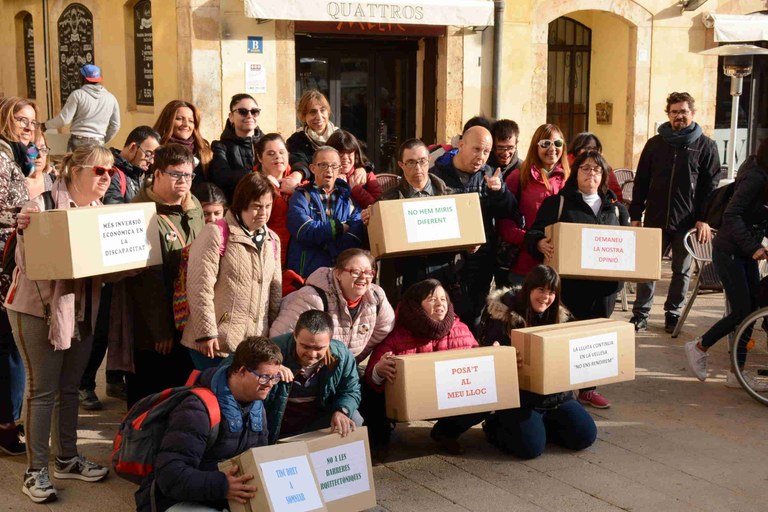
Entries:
{"x":588,"y":251}
{"x":83,"y":242}
{"x":425,"y":224}
{"x":453,"y":382}
{"x":283,"y":476}
{"x":575,"y":355}
{"x":342,"y":466}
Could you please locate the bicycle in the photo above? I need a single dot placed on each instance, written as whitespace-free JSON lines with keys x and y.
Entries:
{"x":755,"y":370}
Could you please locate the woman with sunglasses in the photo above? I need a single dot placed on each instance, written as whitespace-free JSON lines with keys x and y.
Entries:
{"x":425,"y":322}
{"x":179,"y":123}
{"x":52,"y":325}
{"x":234,"y":281}
{"x":588,"y":141}
{"x":542,"y":174}
{"x":585,"y":199}
{"x":362,"y":315}
{"x":17,"y":131}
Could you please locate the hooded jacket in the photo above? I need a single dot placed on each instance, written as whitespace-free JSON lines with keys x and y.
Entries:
{"x":374,"y":320}
{"x":501,"y":319}
{"x":233,"y":158}
{"x":673,"y":183}
{"x":184,"y":470}
{"x":316,"y":239}
{"x":132,"y":176}
{"x":339,"y":384}
{"x":152,"y":290}
{"x":92,"y":112}
{"x":234,"y":295}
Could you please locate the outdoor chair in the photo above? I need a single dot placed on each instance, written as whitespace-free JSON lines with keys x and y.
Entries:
{"x":626,"y":178}
{"x":705,"y":278}
{"x":387,"y":181}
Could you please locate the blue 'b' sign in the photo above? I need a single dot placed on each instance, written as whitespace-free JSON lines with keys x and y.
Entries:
{"x":255,"y":44}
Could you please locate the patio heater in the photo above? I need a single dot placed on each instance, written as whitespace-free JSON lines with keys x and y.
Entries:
{"x":737,"y":64}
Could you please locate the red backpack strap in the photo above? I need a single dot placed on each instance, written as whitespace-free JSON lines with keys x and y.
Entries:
{"x":192,"y":379}
{"x":212,"y":404}
{"x":123,"y":182}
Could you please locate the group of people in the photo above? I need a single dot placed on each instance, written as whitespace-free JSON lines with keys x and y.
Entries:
{"x":286,"y":321}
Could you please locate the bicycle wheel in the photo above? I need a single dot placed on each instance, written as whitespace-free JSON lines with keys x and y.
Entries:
{"x":753,"y":376}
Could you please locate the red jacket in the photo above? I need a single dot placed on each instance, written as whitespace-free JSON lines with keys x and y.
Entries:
{"x":401,"y":342}
{"x":278,"y":220}
{"x":365,"y":195}
{"x":529,"y":199}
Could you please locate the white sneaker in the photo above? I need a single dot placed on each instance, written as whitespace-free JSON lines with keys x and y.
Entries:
{"x":37,"y":485}
{"x":697,"y":360}
{"x":757,"y":384}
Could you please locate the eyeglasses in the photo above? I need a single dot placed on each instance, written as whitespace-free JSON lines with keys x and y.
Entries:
{"x":546,"y":143}
{"x":414,"y":164}
{"x":244,"y":111}
{"x":98,"y":170}
{"x":324,"y":166}
{"x":356,"y":273}
{"x":264,"y":378}
{"x":594,"y":171}
{"x":148,"y":155}
{"x":505,"y":149}
{"x":675,"y":113}
{"x":43,"y":150}
{"x":179,"y":176}
{"x":26,"y":122}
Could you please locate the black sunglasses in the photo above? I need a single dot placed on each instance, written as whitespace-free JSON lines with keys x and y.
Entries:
{"x":244,"y":111}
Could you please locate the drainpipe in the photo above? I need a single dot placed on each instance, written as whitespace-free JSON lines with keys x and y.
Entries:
{"x":47,"y":61}
{"x":498,"y":29}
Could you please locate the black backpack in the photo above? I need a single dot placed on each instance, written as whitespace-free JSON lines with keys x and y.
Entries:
{"x":716,"y":205}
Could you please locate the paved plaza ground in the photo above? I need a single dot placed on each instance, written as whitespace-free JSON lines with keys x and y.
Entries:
{"x":669,"y":443}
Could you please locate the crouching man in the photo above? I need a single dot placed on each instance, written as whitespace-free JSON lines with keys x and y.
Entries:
{"x":320,"y":385}
{"x":186,"y":475}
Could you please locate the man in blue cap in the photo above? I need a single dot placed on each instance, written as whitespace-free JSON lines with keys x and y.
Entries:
{"x":91,"y":110}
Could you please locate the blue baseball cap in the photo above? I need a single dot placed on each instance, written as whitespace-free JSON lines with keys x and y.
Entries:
{"x":91,"y":73}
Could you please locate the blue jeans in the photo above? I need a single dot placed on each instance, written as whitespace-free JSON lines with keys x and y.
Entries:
{"x":741,"y":278}
{"x":11,"y":365}
{"x":524,"y":432}
{"x":678,"y":285}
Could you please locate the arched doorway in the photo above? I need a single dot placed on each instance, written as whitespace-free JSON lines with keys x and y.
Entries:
{"x":569,"y":52}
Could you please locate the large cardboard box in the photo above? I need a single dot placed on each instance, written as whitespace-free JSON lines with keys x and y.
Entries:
{"x":342,"y":466}
{"x":575,"y":355}
{"x":453,"y":382}
{"x":83,"y":242}
{"x":425,"y":224}
{"x":283,"y":476}
{"x":615,"y":253}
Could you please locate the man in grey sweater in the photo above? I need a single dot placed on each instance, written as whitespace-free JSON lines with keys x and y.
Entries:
{"x":92,"y":111}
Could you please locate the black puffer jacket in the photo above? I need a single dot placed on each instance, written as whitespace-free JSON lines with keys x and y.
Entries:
{"x":499,"y":319}
{"x":746,"y":218}
{"x":300,"y":152}
{"x":672,"y":184}
{"x":133,"y":177}
{"x":184,"y":470}
{"x":611,"y":213}
{"x":233,"y":158}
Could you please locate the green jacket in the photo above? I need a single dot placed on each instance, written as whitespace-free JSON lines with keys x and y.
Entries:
{"x":151,"y":292}
{"x":341,"y":386}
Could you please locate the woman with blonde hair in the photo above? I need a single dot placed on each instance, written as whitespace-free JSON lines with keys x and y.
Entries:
{"x":542,"y":174}
{"x":313,"y":112}
{"x":52,"y":323}
{"x":179,"y":123}
{"x":18,"y":124}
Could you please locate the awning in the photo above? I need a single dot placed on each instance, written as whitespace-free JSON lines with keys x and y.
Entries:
{"x":732,"y":28}
{"x":463,"y":13}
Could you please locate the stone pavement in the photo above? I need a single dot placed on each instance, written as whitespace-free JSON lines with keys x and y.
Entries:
{"x":669,"y":443}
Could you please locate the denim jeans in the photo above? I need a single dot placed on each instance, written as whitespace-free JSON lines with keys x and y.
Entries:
{"x":11,"y":365}
{"x":741,"y":279}
{"x":524,"y":432}
{"x":678,"y":285}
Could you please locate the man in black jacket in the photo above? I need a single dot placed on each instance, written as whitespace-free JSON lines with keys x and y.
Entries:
{"x":133,"y":161}
{"x":678,"y":170}
{"x":465,"y":171}
{"x":186,"y":473}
